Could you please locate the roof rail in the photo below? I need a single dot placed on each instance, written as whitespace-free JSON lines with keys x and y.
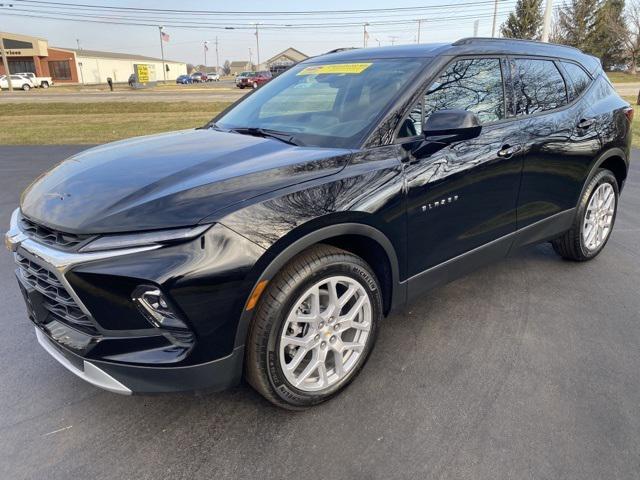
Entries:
{"x":470,"y":40}
{"x":342,"y":49}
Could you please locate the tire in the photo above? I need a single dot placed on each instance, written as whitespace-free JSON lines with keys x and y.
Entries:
{"x":255,"y":85}
{"x":44,"y":84}
{"x":26,"y":87}
{"x":573,"y":245}
{"x":241,"y":87}
{"x":267,"y":348}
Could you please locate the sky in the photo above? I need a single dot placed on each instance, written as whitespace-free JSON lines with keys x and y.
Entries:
{"x":443,"y":21}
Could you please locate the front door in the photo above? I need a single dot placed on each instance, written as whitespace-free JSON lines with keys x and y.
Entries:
{"x":463,"y":196}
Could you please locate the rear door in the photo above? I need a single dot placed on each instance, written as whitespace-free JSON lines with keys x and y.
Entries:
{"x":559,"y":137}
{"x":462,"y":196}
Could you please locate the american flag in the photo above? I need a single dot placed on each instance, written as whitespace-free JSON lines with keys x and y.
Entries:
{"x":164,"y":36}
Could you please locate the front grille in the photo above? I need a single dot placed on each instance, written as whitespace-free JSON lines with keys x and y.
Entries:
{"x":56,"y":299}
{"x":48,"y":236}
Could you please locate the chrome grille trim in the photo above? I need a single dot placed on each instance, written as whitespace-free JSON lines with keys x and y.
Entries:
{"x":58,"y":301}
{"x":50,"y":236}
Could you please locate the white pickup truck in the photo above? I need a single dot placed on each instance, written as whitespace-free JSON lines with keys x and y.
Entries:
{"x":39,"y":82}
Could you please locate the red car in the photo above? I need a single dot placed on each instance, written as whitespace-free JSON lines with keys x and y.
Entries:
{"x":253,"y":79}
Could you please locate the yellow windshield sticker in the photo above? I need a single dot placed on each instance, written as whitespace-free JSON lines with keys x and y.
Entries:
{"x":336,"y":68}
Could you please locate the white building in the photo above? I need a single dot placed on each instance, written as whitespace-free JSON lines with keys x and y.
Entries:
{"x":95,"y":67}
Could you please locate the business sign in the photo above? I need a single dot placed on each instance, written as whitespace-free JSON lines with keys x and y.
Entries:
{"x":142,"y":72}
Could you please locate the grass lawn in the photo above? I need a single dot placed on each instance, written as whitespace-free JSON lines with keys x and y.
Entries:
{"x":92,"y":123}
{"x":623,"y":77}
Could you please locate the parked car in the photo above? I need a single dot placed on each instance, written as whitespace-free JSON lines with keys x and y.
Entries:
{"x":38,"y":82}
{"x":213,"y":77}
{"x":184,"y":79}
{"x":17,"y":82}
{"x":275,"y":239}
{"x":199,"y":77}
{"x":253,"y":79}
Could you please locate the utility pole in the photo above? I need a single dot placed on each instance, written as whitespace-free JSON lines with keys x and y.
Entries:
{"x":393,"y":39}
{"x":476,"y":24}
{"x":495,"y":18}
{"x":250,"y":61}
{"x":419,"y":23}
{"x":217,"y":58}
{"x":164,"y":68}
{"x":5,"y":64}
{"x":257,"y":44}
{"x":546,"y":26}
{"x":205,"y":48}
{"x":365,"y":35}
{"x":78,"y":43}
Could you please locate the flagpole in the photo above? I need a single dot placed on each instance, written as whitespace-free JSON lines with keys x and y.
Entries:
{"x":205,"y":54}
{"x":164,"y":68}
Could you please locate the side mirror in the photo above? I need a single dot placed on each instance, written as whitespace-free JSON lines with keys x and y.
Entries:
{"x":448,"y":126}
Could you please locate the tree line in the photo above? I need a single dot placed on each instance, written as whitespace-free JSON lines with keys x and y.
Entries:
{"x":608,"y":29}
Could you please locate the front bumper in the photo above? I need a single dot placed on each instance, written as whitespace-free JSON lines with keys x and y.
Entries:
{"x":106,"y":341}
{"x":128,"y":379}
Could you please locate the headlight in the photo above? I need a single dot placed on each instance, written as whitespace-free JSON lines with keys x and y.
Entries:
{"x":128,"y":240}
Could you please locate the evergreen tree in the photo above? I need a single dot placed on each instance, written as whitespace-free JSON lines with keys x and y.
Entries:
{"x":606,"y":40}
{"x":525,"y":21}
{"x":597,"y":27}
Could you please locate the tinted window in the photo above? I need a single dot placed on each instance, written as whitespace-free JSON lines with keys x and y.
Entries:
{"x":473,"y":85}
{"x":538,"y":86}
{"x":578,"y":80}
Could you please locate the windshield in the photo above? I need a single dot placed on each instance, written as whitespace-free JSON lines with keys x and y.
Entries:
{"x":324,"y":105}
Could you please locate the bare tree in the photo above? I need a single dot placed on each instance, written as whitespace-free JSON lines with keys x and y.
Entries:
{"x":632,"y":37}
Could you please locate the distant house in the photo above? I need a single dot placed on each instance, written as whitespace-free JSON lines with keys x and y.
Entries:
{"x":284,"y":60}
{"x":240,"y":66}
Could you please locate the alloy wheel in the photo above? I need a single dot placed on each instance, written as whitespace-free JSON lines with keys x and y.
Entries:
{"x":325,"y":334}
{"x":598,"y":217}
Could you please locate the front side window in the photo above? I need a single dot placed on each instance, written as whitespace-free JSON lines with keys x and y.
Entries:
{"x":538,"y":86}
{"x":474,"y":85}
{"x":332,"y":105}
{"x":578,"y":80}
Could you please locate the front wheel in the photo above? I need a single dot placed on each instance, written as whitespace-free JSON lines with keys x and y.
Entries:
{"x":26,"y":87}
{"x":255,"y":85}
{"x":595,"y":217}
{"x":314,"y":328}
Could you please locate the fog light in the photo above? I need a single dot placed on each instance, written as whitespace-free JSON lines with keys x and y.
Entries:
{"x":156,"y":308}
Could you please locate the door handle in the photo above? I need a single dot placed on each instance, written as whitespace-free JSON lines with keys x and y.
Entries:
{"x":586,"y":123}
{"x":509,"y":151}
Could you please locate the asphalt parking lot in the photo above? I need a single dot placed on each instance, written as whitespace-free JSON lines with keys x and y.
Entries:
{"x":529,"y":369}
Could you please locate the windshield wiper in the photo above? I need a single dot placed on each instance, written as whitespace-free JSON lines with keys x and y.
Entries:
{"x":267,"y":133}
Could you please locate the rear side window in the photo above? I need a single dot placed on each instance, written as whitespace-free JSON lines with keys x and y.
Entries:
{"x":538,"y":86}
{"x":474,"y":85}
{"x":578,"y":80}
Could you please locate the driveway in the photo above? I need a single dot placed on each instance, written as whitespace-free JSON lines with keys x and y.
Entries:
{"x":526,"y":369}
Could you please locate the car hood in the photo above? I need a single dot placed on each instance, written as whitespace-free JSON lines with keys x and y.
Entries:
{"x":168,"y":180}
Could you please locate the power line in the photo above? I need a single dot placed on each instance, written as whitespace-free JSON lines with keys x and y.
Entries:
{"x":259,"y":12}
{"x":220,"y":26}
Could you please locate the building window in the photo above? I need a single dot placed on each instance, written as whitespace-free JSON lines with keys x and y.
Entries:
{"x":22,"y":66}
{"x":17,"y":44}
{"x":60,"y":70}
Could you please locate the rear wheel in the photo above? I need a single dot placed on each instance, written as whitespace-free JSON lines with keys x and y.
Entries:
{"x":255,"y":85}
{"x":594,"y":220}
{"x":44,"y":84}
{"x":314,"y":328}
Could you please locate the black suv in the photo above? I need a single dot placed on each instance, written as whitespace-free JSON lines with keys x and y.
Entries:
{"x":274,"y":240}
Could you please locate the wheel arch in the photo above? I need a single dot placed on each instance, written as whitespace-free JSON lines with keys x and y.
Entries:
{"x":615,"y":160}
{"x":351,"y":236}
